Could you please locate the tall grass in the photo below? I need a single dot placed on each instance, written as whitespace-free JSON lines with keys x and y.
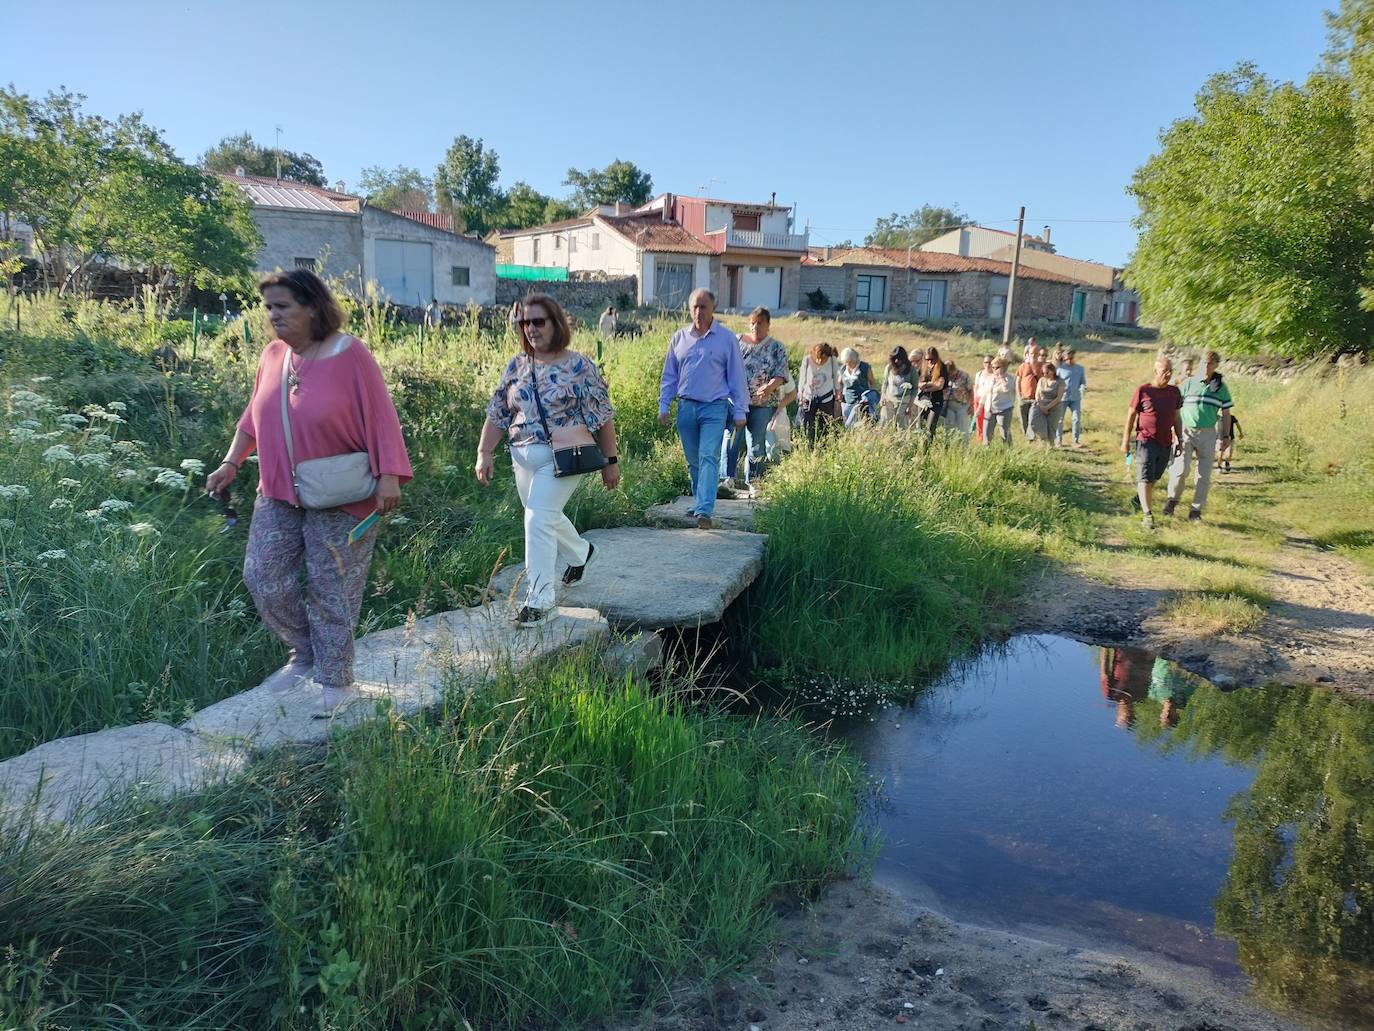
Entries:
{"x":887,"y":557}
{"x":131,"y":625}
{"x":543,"y":855}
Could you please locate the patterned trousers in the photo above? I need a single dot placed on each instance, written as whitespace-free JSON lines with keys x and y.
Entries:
{"x":317,"y":624}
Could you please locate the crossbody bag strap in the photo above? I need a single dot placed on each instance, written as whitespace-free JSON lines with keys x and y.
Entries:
{"x":286,"y":411}
{"x":539,"y":404}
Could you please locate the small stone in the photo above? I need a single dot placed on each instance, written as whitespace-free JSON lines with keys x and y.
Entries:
{"x":803,"y":960}
{"x":908,"y":1005}
{"x":755,"y":1027}
{"x":863,"y":980}
{"x":940,"y":972}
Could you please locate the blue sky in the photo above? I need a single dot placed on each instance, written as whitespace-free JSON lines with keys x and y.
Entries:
{"x":849,"y":110}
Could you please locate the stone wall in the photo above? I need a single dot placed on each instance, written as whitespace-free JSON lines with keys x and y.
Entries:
{"x":574,"y":293}
{"x":334,"y":240}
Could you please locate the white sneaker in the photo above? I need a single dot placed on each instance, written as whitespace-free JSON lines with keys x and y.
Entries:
{"x":332,"y":701}
{"x":288,"y":676}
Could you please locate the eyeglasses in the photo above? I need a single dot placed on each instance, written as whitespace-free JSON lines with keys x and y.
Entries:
{"x":536,"y":323}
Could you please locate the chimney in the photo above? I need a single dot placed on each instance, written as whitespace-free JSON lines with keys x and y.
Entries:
{"x":667,"y":207}
{"x":238,"y":170}
{"x":773,"y":200}
{"x":339,"y":186}
{"x":1047,"y":234}
{"x":828,"y":252}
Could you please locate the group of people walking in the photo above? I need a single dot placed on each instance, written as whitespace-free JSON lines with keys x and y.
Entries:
{"x":332,"y":458}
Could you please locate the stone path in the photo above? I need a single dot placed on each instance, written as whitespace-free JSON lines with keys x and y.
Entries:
{"x":653,"y":579}
{"x":729,"y":513}
{"x":403,"y":668}
{"x":642,"y":578}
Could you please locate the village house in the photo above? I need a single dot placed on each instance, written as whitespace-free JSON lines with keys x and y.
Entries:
{"x":411,"y":256}
{"x":1101,"y":298}
{"x":613,"y":240}
{"x":928,"y":286}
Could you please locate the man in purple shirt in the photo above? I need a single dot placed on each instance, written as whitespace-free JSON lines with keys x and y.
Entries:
{"x":705,"y":372}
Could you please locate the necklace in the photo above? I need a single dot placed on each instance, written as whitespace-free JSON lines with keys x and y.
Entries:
{"x":293,"y":378}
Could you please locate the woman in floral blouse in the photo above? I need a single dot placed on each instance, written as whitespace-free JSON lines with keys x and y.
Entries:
{"x":765,"y":370}
{"x":577,"y":407}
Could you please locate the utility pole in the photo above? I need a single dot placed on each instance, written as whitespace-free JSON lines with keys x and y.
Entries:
{"x":1011,"y":283}
{"x":278,"y":149}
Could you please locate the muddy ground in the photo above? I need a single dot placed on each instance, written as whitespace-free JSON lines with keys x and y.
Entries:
{"x":862,"y":957}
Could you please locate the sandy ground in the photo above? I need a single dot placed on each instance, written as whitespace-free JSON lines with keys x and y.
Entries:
{"x":862,"y":957}
{"x":1319,"y":631}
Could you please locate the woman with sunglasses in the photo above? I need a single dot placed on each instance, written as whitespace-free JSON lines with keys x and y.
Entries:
{"x":548,"y":396}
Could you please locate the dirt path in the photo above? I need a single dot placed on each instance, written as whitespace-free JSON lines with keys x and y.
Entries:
{"x":862,"y":958}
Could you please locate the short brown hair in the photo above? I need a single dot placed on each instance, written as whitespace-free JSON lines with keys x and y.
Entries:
{"x":821,"y":352}
{"x":309,"y":291}
{"x":562,"y":332}
{"x":760,"y":313}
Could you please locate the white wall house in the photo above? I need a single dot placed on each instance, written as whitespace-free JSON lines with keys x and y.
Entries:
{"x":339,"y":235}
{"x":983,"y":242}
{"x":668,"y":262}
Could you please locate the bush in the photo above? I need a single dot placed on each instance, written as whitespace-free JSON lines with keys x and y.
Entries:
{"x":817,"y":301}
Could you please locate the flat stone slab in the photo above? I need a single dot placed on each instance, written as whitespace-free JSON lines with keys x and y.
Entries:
{"x":729,"y":514}
{"x":64,"y":779}
{"x":403,"y":669}
{"x":646,"y":578}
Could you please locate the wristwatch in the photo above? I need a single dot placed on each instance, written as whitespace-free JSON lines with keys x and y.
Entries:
{"x":612,"y":459}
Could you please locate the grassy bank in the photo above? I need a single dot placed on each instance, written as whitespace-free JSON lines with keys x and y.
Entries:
{"x":560,"y":849}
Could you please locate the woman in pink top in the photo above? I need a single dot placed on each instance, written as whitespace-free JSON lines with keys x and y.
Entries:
{"x":338,"y":405}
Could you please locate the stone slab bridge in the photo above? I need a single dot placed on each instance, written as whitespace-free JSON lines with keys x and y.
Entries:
{"x":642,"y":579}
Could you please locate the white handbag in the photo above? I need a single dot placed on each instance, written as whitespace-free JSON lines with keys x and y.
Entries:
{"x":325,"y":482}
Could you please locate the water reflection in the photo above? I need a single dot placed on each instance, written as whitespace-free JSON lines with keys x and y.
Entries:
{"x":1111,"y":793}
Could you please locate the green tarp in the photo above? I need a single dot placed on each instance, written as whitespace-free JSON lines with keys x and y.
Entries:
{"x":556,"y":275}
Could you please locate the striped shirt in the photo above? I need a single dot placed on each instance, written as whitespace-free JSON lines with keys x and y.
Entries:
{"x":1202,"y":405}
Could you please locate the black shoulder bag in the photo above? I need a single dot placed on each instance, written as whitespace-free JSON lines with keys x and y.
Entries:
{"x":575,"y":450}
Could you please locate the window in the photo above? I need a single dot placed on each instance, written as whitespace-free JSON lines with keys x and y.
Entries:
{"x":742,"y":221}
{"x":1119,"y":312}
{"x":535,"y":260}
{"x":306,"y":263}
{"x":997,"y":306}
{"x":572,"y":245}
{"x":870,"y":293}
{"x":672,"y":283}
{"x":930,"y":298}
{"x":461,"y":275}
{"x":558,"y":243}
{"x":596,"y":241}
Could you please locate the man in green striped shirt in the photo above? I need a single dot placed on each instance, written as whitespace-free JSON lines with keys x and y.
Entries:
{"x":1206,"y":419}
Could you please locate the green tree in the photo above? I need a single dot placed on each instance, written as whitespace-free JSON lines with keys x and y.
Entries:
{"x":621,"y":181}
{"x":242,"y":151}
{"x":465,"y":185}
{"x":95,"y":189}
{"x":1256,"y":219}
{"x":399,"y":189}
{"x":915,"y":228}
{"x":525,"y":206}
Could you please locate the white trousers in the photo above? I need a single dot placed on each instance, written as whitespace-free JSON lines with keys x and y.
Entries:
{"x":549,"y":534}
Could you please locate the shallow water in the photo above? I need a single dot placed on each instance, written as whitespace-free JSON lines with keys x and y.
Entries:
{"x":1109,"y":797}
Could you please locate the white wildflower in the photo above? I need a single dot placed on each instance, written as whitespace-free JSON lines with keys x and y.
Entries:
{"x":82,"y":545}
{"x":109,"y":417}
{"x":28,"y":424}
{"x":128,"y":475}
{"x":72,"y":420}
{"x":99,"y":565}
{"x":50,"y":435}
{"x":448,"y":470}
{"x":52,"y":556}
{"x":11,"y":615}
{"x":98,"y":459}
{"x":171,"y":478}
{"x":26,"y":400}
{"x":194,"y":466}
{"x":6,"y":524}
{"x":15,"y":492}
{"x":60,"y":503}
{"x":399,"y":520}
{"x":142,"y":529}
{"x":117,"y":406}
{"x":115,"y":505}
{"x":124,"y":447}
{"x":58,"y":453}
{"x":67,"y":483}
{"x":41,"y":379}
{"x":23,"y":435}
{"x":94,"y":515}
{"x":99,"y":439}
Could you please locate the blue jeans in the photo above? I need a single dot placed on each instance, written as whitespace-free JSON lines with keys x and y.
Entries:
{"x":1075,"y":406}
{"x":756,"y":428}
{"x":701,"y":427}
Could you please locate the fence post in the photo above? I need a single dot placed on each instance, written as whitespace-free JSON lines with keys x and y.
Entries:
{"x":247,"y":336}
{"x":195,"y":337}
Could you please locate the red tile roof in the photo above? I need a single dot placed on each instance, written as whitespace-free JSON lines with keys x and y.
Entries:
{"x":651,"y":233}
{"x":935,"y":261}
{"x":432,"y":219}
{"x":550,"y":227}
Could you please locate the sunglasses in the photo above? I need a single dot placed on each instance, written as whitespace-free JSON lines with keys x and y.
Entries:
{"x":536,"y":323}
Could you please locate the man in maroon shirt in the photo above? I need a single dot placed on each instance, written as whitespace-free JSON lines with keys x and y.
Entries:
{"x":1154,"y":418}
